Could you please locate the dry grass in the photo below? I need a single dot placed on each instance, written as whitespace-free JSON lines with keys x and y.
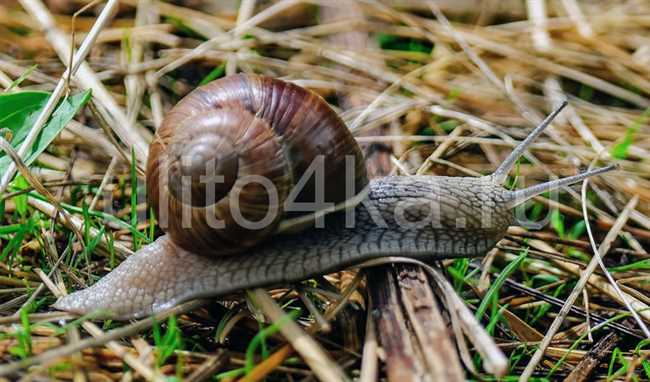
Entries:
{"x":449,"y":98}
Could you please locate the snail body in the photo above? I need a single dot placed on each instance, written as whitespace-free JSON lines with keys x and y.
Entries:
{"x":423,"y":217}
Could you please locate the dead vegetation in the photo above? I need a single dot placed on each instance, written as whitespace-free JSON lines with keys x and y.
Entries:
{"x":442,"y":87}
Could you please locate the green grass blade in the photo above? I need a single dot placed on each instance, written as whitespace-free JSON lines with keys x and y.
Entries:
{"x":496,"y":285}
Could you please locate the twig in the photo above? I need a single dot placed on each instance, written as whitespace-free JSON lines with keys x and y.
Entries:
{"x":424,"y":315}
{"x":495,"y":361}
{"x":402,"y":361}
{"x":576,"y":15}
{"x":313,"y":354}
{"x":209,"y":367}
{"x":369,"y":364}
{"x":592,"y":359}
{"x":537,"y":14}
{"x":318,"y":317}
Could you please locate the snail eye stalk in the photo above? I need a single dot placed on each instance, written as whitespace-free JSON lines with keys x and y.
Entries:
{"x":499,"y":176}
{"x":520,"y":196}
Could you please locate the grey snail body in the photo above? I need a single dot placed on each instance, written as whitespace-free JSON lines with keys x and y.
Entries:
{"x":423,"y":217}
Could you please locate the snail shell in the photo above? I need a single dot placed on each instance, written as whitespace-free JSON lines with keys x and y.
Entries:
{"x":258,"y":136}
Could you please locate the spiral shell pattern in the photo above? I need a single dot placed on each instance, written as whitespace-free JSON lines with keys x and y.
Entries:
{"x":258,"y":136}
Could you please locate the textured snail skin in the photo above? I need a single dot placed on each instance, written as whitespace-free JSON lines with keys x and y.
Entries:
{"x":162,"y":274}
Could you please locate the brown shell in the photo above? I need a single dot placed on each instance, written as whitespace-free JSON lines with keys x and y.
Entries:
{"x":268,"y":128}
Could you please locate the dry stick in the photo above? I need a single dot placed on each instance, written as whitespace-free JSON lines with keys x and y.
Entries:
{"x":209,"y":367}
{"x":593,"y":358}
{"x":537,"y":14}
{"x":246,"y":9}
{"x":582,"y":281}
{"x":495,"y":361}
{"x":108,"y":176}
{"x":38,"y":317}
{"x":6,"y":82}
{"x":311,"y":352}
{"x":59,"y":90}
{"x":86,"y":76}
{"x":426,"y":321}
{"x":369,"y":365}
{"x":440,"y":150}
{"x":576,"y":15}
{"x":16,"y":70}
{"x":106,"y":127}
{"x":155,"y":98}
{"x":322,"y":323}
{"x":333,"y":310}
{"x":403,"y":362}
{"x":135,"y":83}
{"x":92,"y":137}
{"x":603,"y":268}
{"x":73,"y":29}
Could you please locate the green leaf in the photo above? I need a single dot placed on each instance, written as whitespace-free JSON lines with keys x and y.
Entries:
{"x":21,"y":200}
{"x":392,"y":42}
{"x":557,"y":222}
{"x":586,"y":92}
{"x":217,"y":72}
{"x":19,"y":111}
{"x":23,"y":348}
{"x":577,"y":230}
{"x":619,"y":151}
{"x":496,"y":285}
{"x":261,"y":336}
{"x":134,"y":200}
{"x":169,"y":343}
{"x":22,"y":78}
{"x":449,"y":125}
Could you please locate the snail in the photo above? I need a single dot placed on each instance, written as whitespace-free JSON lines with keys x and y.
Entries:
{"x":247,"y":149}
